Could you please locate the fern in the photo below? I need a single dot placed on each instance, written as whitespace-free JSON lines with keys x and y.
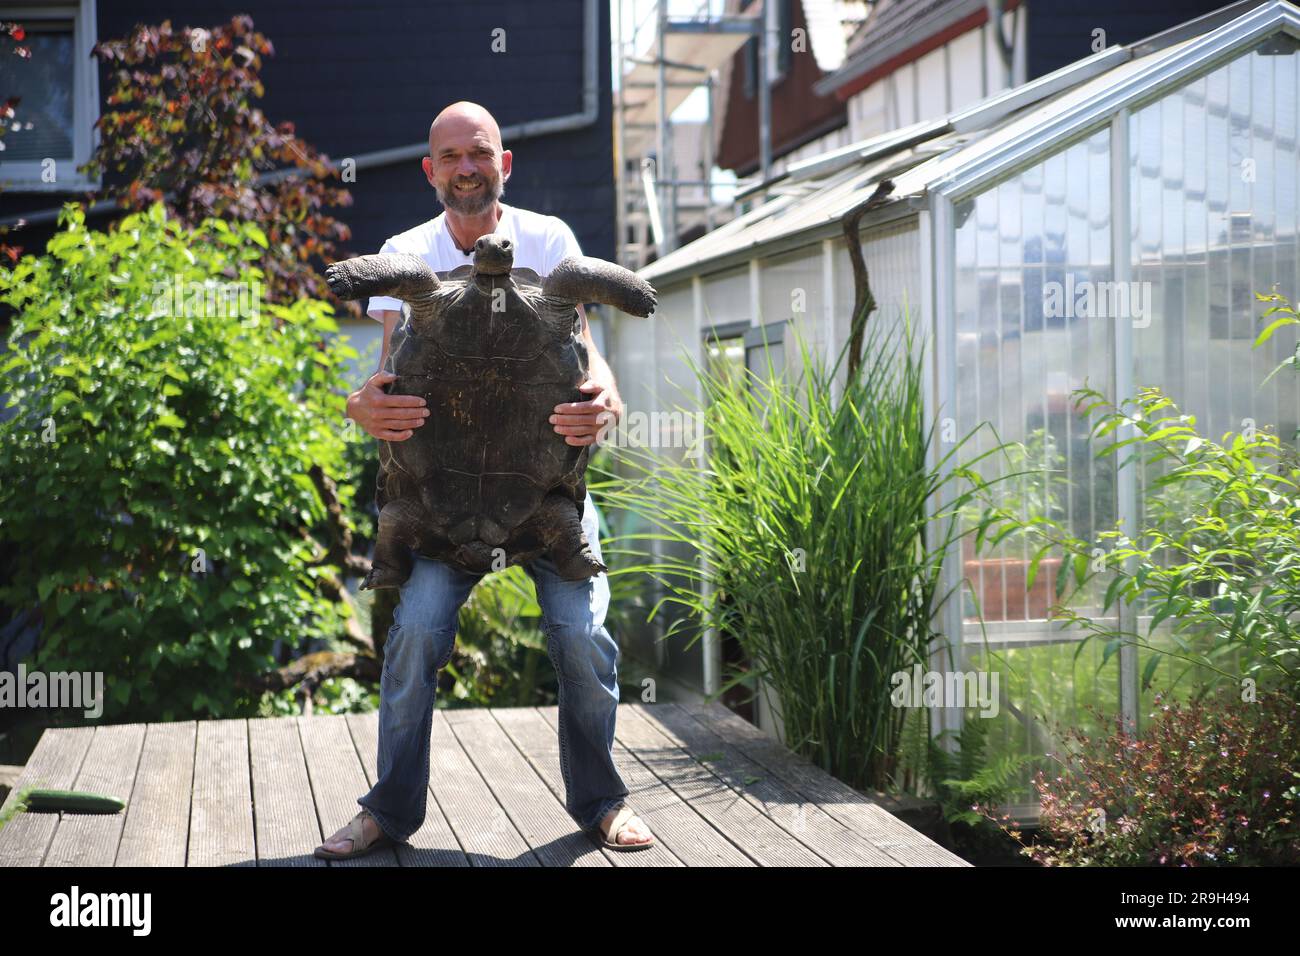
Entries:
{"x":966,"y":778}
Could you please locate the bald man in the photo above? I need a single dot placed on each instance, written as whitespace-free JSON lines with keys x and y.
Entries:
{"x":467,"y":167}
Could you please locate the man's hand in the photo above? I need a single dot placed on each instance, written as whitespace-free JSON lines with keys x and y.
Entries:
{"x":387,"y":417}
{"x":584,"y":423}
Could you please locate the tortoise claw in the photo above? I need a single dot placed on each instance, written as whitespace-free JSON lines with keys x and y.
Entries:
{"x":339,"y":278}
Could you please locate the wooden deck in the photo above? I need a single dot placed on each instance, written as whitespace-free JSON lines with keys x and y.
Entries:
{"x":715,"y":790}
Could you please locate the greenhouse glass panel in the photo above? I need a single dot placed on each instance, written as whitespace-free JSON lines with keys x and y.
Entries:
{"x":1213,"y":170}
{"x":1027,"y":336}
{"x":1031,"y":254}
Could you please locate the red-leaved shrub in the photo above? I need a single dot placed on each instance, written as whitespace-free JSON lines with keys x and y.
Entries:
{"x":1204,"y":784}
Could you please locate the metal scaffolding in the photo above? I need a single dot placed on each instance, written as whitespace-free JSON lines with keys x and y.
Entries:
{"x":660,"y":61}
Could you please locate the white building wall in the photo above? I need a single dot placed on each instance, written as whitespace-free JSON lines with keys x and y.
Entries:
{"x":963,"y":71}
{"x":966,"y":78}
{"x":726,"y":297}
{"x":931,"y":75}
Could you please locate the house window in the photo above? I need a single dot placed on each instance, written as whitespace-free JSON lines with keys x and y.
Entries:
{"x":750,"y":51}
{"x":58,"y":92}
{"x":770,"y":337}
{"x":732,"y":347}
{"x":724,"y":349}
{"x":784,"y":26}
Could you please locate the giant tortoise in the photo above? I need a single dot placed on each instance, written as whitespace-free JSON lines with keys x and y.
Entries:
{"x":486,"y":481}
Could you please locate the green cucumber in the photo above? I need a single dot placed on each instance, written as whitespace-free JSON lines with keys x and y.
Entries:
{"x":52,"y":801}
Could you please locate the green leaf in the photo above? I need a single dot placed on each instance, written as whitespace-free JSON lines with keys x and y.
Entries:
{"x":1149,"y":671}
{"x":257,"y":235}
{"x":65,"y":602}
{"x":1273,"y":326}
{"x":1112,"y":647}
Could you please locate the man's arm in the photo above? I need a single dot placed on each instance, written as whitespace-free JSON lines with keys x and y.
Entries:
{"x":390,"y":320}
{"x":584,"y":423}
{"x":389,"y":417}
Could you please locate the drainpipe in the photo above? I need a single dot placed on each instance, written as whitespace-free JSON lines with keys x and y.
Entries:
{"x":767,"y":26}
{"x":664,"y":172}
{"x":994,"y":8}
{"x":620,"y":147}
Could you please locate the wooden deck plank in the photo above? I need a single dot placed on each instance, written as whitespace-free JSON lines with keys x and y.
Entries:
{"x":538,"y":740}
{"x":736,"y":819}
{"x":832,"y":795}
{"x":715,"y":789}
{"x":671,"y":818}
{"x":54,"y":763}
{"x":801,"y":818}
{"x":521,"y":792}
{"x":337,"y":780}
{"x":482,"y":827}
{"x":221,"y":813}
{"x":284,"y":814}
{"x":157,"y":827}
{"x":433,"y":844}
{"x":91,"y":839}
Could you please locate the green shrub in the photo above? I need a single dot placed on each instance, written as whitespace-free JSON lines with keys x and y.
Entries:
{"x":1217,"y":560}
{"x":1208,"y":783}
{"x":156,"y":490}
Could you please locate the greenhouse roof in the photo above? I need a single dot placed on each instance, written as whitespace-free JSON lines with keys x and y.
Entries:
{"x":966,"y":150}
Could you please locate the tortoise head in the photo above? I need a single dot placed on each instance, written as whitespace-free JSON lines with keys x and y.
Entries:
{"x":493,"y":255}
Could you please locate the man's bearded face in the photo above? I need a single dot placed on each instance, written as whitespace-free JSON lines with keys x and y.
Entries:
{"x":471,"y":193}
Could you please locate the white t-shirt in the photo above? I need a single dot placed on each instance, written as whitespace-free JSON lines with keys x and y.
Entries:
{"x":540,"y":243}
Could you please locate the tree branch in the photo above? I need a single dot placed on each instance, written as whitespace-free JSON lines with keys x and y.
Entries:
{"x":312,"y":669}
{"x":864,"y":303}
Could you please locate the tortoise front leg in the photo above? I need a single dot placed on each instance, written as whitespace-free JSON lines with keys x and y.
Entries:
{"x":584,"y":279}
{"x":400,"y":275}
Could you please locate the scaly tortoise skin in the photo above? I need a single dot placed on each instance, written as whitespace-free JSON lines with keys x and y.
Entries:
{"x":486,"y":482}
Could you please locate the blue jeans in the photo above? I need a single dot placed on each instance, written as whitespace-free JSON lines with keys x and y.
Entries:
{"x":420,"y":644}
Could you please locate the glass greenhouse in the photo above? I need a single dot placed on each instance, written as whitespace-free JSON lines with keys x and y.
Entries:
{"x":1108,"y":225}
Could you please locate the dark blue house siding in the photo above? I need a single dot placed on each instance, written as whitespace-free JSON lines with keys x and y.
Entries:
{"x":1060,"y":31}
{"x":356,"y":78}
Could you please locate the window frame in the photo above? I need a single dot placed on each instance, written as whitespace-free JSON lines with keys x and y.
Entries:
{"x":25,"y":177}
{"x":758,"y":337}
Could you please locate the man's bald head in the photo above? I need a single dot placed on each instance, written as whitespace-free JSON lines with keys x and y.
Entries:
{"x":466,"y":164}
{"x":464,"y":118}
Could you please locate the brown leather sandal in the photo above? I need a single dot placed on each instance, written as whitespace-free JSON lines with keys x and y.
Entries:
{"x":356,"y":833}
{"x":620,"y":821}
